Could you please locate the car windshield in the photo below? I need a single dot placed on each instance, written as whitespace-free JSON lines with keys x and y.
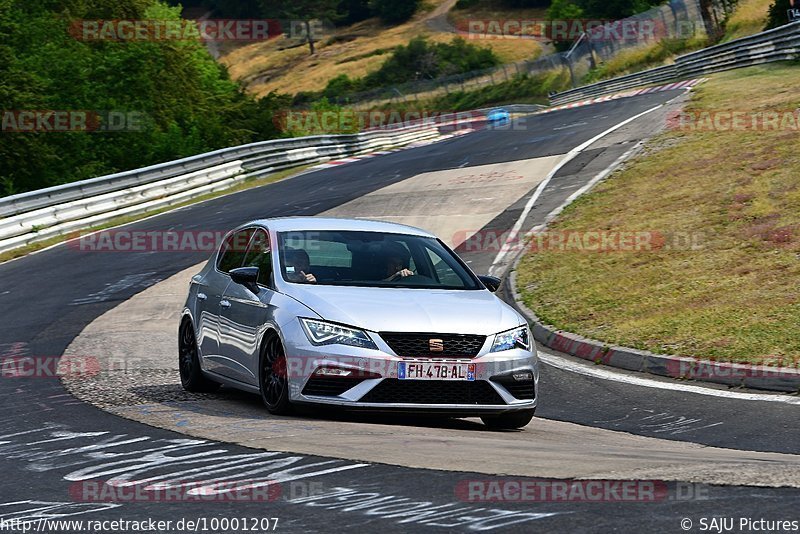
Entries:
{"x":371,"y":259}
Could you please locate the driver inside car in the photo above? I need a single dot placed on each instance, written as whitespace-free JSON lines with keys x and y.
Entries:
{"x":397,"y":262}
{"x":298,"y":266}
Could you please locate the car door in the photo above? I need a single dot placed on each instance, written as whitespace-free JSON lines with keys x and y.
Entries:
{"x":243,"y":314}
{"x":209,"y":297}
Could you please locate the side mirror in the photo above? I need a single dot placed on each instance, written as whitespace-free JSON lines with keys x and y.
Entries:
{"x":247,"y":277}
{"x":492,"y":283}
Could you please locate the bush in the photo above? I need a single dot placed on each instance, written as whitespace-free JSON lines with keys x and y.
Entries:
{"x":416,"y":61}
{"x":394,"y":11}
{"x":521,"y":89}
{"x":525,"y":3}
{"x":324,"y":118}
{"x":615,"y":9}
{"x":564,"y":9}
{"x":340,"y":86}
{"x":466,"y":4}
{"x":423,"y":60}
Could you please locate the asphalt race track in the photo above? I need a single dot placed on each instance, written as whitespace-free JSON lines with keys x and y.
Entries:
{"x":54,"y":445}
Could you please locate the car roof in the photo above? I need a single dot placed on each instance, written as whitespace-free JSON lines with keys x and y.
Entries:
{"x":299,"y":224}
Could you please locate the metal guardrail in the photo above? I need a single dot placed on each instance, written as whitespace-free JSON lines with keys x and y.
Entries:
{"x":39,"y":215}
{"x":778,"y":44}
{"x":621,"y":83}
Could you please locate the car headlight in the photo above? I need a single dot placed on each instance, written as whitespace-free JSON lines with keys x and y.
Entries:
{"x":517,"y":338}
{"x":323,"y":333}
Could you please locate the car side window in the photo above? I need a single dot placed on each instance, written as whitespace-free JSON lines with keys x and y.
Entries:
{"x":233,"y":250}
{"x":259,"y":255}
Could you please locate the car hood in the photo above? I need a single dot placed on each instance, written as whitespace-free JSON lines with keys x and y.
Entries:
{"x":410,"y":310}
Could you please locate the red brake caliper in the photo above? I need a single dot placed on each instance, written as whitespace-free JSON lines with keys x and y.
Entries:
{"x":279,"y":367}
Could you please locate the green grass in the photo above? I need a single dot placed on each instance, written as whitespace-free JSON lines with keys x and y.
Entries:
{"x":750,"y":17}
{"x":645,"y":57}
{"x":736,"y":297}
{"x":518,"y":90}
{"x":247,"y":183}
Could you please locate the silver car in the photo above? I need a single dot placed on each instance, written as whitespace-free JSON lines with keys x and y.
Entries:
{"x":356,"y":314}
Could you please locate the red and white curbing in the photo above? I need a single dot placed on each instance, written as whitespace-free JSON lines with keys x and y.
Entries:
{"x":688,"y":84}
{"x":344,"y":161}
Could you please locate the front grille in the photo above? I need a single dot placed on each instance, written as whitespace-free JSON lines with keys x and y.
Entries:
{"x":519,"y":389}
{"x":419,"y":345}
{"x":478,"y":392}
{"x":329,"y":386}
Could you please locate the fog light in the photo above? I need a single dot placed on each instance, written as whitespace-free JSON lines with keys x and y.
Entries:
{"x":521,"y":377}
{"x":332,"y":371}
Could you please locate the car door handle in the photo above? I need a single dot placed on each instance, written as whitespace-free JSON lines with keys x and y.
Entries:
{"x":225,"y":304}
{"x":201,"y":296}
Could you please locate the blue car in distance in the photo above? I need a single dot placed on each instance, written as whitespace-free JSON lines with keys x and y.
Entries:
{"x":498,"y":117}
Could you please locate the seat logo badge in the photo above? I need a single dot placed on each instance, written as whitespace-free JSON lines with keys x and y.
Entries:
{"x":436,"y":345}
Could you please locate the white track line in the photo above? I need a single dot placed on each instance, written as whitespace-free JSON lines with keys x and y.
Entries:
{"x":615,"y":375}
{"x":595,"y":371}
{"x":590,"y":184}
{"x":506,"y":248}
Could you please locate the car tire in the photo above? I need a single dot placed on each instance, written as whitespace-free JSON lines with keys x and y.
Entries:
{"x":509,"y":421}
{"x":192,"y":377}
{"x":273,"y":377}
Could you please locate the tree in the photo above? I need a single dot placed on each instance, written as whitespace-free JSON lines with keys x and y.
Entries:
{"x":395,"y":11}
{"x":778,"y":13}
{"x":563,"y":10}
{"x":354,"y":11}
{"x":526,"y":3}
{"x":305,"y":11}
{"x":615,"y":9}
{"x":231,"y":9}
{"x":182,"y":101}
{"x":421,"y":59}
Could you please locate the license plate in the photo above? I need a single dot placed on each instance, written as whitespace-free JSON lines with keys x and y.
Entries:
{"x":435,"y":371}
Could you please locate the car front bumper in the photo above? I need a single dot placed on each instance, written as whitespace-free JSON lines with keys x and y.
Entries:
{"x":373,"y":383}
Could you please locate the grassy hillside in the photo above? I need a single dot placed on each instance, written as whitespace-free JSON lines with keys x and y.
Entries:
{"x":750,"y":17}
{"x":727,"y":204}
{"x":354,"y":50}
